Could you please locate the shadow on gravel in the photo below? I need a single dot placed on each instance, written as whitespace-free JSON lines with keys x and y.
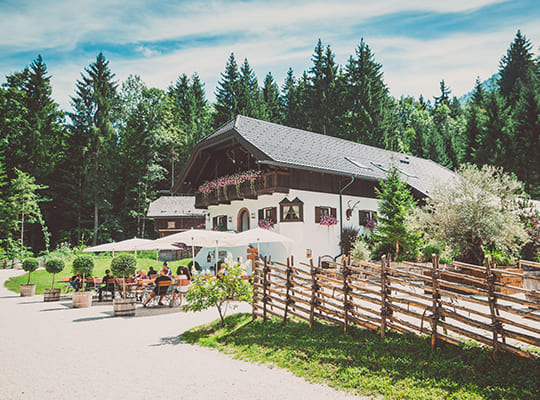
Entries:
{"x":166,"y":341}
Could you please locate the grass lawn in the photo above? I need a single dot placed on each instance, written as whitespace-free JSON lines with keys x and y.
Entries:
{"x":43,"y":279}
{"x":397,"y":367}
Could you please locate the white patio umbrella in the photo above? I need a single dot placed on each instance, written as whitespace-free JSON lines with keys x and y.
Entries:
{"x":258,"y":235}
{"x":124,"y":245}
{"x":196,"y":237}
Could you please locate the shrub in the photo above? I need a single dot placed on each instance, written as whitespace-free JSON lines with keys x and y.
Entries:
{"x":123,"y":265}
{"x":429,"y":250}
{"x":30,"y":265}
{"x":360,"y":250}
{"x":348,"y":238}
{"x":54,"y":266}
{"x":216,"y":291}
{"x":83,"y":265}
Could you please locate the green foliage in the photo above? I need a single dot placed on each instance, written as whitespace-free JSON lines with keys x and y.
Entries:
{"x":84,"y":265}
{"x":475,"y":213}
{"x":360,"y":361}
{"x":393,"y":234}
{"x":197,"y":266}
{"x":348,"y":238}
{"x":216,"y":291}
{"x":30,"y":265}
{"x":123,"y":265}
{"x":54,"y":266}
{"x":360,"y":250}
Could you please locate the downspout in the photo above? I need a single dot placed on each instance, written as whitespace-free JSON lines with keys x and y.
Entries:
{"x":341,"y":214}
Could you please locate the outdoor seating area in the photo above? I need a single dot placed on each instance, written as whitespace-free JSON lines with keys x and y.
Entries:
{"x":138,"y":289}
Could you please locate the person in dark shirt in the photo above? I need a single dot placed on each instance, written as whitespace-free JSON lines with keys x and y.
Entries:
{"x":75,"y":281}
{"x":152,"y":273}
{"x":106,"y":286}
{"x":162,"y":277}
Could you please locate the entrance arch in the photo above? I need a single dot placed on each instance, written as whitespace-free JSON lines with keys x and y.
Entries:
{"x":243,"y":220}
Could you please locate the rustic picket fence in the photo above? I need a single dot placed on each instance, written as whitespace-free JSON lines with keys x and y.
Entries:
{"x":485,"y":306}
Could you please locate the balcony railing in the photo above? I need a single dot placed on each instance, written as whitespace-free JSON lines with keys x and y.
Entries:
{"x":265,"y":184}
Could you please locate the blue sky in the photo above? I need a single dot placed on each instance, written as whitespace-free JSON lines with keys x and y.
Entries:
{"x":417,"y":42}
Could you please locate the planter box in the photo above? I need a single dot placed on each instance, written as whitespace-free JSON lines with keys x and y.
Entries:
{"x":51,"y":294}
{"x":28,"y":290}
{"x":124,"y":307}
{"x":82,"y":299}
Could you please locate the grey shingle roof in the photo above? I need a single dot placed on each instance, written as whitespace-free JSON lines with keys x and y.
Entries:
{"x":302,"y":149}
{"x":174,"y":206}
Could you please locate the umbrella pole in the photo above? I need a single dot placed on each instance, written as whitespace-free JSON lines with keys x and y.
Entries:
{"x":216,"y":266}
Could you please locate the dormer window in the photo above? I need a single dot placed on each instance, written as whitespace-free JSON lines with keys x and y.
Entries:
{"x":291,"y":211}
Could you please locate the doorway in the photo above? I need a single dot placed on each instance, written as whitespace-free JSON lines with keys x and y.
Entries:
{"x":243,"y":220}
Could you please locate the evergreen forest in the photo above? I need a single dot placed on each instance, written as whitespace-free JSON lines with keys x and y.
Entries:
{"x":87,"y":175}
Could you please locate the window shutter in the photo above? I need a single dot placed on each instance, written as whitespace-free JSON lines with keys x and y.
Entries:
{"x":273,"y":214}
{"x":261,"y":214}
{"x":214,"y":222}
{"x":317,"y":215}
{"x":333,"y":212}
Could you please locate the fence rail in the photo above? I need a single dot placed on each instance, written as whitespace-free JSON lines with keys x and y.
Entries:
{"x":449,"y":304}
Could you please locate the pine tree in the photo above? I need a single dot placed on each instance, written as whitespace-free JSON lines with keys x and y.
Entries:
{"x":525,"y":160}
{"x":514,"y":66}
{"x":227,"y":93}
{"x":96,"y":138}
{"x":271,"y":99}
{"x":367,"y":100}
{"x":444,"y":98}
{"x":392,"y":234}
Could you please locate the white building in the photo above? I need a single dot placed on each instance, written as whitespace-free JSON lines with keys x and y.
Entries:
{"x":298,"y":178}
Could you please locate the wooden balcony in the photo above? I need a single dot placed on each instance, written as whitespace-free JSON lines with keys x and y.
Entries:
{"x":266,"y":184}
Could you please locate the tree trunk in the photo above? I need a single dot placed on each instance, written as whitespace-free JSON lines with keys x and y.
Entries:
{"x":96,"y":220}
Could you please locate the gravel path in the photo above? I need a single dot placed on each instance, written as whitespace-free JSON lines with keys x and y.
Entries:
{"x":52,"y":351}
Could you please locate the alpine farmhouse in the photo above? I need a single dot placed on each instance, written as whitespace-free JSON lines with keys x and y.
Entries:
{"x":301,"y":184}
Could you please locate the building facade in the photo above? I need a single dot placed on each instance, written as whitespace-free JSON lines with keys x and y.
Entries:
{"x":301,"y":184}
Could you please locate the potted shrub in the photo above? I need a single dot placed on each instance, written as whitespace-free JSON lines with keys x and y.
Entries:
{"x":84,"y":265}
{"x":53,"y":266}
{"x":122,"y":267}
{"x":29,"y":265}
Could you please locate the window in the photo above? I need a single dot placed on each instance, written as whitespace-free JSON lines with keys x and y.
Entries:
{"x":291,"y":211}
{"x":269,"y":213}
{"x":321,"y":212}
{"x":365,"y":216}
{"x":219,"y":223}
{"x":171,"y":225}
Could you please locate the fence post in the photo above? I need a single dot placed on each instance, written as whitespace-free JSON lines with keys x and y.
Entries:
{"x":436,"y":296}
{"x":266,"y":270}
{"x":384,"y":310}
{"x":256,"y":279}
{"x":346,"y":289}
{"x":314,"y":288}
{"x":496,"y":325}
{"x":287,"y":294}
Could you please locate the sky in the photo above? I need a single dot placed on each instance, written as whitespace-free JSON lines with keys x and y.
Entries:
{"x":418,"y":43}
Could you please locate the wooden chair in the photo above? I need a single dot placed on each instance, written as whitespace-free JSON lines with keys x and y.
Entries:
{"x":164,"y":288}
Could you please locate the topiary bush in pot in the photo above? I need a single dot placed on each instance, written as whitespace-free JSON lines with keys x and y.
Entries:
{"x":123,"y":266}
{"x":29,"y":265}
{"x":84,"y":265}
{"x":53,"y":266}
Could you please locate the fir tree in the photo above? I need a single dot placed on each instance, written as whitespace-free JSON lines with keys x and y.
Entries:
{"x":227,"y":93}
{"x":397,"y":203}
{"x":93,"y":125}
{"x":271,"y":99}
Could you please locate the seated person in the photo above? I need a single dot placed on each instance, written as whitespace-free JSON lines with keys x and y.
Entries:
{"x":162,"y":277}
{"x":222,"y":269}
{"x":183,"y":288}
{"x":152,"y":273}
{"x":76,"y":282}
{"x":141,"y":275}
{"x":107,"y":287}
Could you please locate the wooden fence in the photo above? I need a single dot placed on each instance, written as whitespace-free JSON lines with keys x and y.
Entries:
{"x":444,"y":303}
